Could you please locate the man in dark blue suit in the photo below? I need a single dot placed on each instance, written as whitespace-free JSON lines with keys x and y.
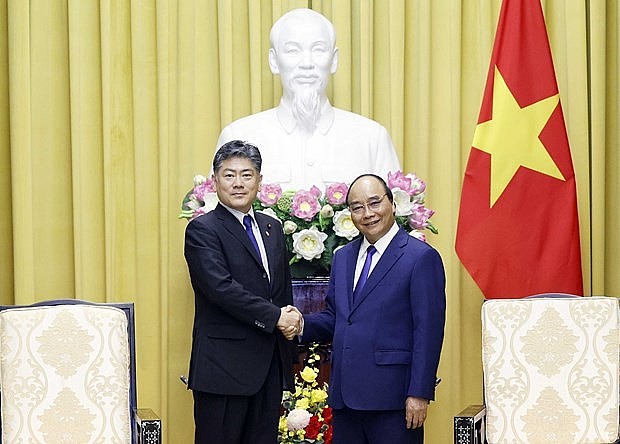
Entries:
{"x":385,"y":312}
{"x":243,"y":317}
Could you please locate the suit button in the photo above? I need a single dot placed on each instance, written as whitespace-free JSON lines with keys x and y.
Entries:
{"x":264,"y":275}
{"x":349,"y":322}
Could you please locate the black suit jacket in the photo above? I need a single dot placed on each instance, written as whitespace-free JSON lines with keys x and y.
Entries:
{"x":237,"y":306}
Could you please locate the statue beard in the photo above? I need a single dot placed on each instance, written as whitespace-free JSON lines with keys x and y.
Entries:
{"x":306,"y":109}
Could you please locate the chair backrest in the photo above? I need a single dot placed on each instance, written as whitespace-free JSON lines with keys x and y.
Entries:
{"x":551,"y":369}
{"x":67,"y":372}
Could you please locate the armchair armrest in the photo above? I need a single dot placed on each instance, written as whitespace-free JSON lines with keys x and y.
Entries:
{"x":469,"y":425}
{"x":148,"y":426}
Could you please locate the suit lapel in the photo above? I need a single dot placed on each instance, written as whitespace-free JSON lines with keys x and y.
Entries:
{"x":266,"y":227}
{"x":230,"y":223}
{"x":390,"y":256}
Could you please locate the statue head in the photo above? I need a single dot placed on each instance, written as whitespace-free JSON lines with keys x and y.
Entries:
{"x":303,"y":53}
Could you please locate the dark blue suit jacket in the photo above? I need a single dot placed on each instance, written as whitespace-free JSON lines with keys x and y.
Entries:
{"x":386,"y":345}
{"x":236,"y":305}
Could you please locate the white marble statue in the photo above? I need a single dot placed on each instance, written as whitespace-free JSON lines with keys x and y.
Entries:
{"x":306,"y":141}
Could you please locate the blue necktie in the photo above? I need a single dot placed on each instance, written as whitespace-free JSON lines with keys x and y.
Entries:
{"x":247,"y":222}
{"x":365,"y":270}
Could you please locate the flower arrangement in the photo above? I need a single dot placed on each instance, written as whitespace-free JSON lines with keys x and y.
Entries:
{"x":316,"y":224}
{"x":306,"y":417}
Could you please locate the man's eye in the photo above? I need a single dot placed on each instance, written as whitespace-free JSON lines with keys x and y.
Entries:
{"x":291,"y":50}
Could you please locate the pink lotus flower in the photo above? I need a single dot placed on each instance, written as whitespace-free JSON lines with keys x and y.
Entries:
{"x":204,"y":188}
{"x":417,"y":185}
{"x":410,"y":183}
{"x":315,"y":191}
{"x":399,"y":180}
{"x":419,"y":217}
{"x":270,"y":193}
{"x":305,"y":205}
{"x":336,"y":193}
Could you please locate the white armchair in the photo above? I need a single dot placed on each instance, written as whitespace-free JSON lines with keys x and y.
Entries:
{"x":67,"y":374}
{"x":551,"y":372}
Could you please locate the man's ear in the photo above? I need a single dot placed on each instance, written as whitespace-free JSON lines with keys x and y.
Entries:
{"x":273,"y":62}
{"x":334,"y":66}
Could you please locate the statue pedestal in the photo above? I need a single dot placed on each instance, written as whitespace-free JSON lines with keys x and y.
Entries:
{"x":309,"y":294}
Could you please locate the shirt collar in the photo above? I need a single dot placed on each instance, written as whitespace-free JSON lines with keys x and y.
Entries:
{"x":288,"y":122}
{"x":382,"y":244}
{"x":239,"y":215}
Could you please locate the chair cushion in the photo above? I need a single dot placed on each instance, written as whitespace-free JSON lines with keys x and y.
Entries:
{"x":64,"y":374}
{"x":551,"y":370}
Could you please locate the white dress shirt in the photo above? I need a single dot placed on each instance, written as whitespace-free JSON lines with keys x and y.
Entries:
{"x":381,"y":245}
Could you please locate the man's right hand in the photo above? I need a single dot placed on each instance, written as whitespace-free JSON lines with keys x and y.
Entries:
{"x":290,"y":322}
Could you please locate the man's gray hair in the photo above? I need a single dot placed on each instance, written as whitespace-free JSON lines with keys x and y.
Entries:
{"x":237,"y":148}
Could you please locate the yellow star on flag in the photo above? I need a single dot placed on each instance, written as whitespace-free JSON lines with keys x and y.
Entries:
{"x":511,"y":137}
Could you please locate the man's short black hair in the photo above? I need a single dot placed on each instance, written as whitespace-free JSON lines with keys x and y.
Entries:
{"x":387,"y":190}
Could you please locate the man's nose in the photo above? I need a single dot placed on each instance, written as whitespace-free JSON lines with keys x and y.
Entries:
{"x":307,"y":60}
{"x":367,"y":211}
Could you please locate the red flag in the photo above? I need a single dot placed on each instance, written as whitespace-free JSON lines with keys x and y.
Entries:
{"x":518,"y":231}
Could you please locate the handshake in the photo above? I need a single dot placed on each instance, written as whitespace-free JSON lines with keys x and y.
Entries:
{"x":291,"y":322}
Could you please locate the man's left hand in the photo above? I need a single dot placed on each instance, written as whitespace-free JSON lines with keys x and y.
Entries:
{"x":415,"y":411}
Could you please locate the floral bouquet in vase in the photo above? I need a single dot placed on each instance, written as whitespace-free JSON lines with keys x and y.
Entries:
{"x":306,"y":417}
{"x":316,"y":223}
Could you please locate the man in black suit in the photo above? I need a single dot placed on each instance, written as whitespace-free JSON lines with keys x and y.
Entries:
{"x":239,"y":270}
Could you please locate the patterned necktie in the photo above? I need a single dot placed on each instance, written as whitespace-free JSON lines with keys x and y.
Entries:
{"x":247,"y":222}
{"x":365,"y":270}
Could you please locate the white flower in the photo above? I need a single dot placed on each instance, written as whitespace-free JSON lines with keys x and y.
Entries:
{"x":193,"y":203}
{"x":404,"y":206}
{"x":327,"y":211}
{"x":308,"y":244}
{"x":270,"y":212}
{"x":209,"y":204}
{"x":343,"y":225}
{"x":289,"y":227}
{"x":211,"y":201}
{"x":298,"y":419}
{"x":198,"y":179}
